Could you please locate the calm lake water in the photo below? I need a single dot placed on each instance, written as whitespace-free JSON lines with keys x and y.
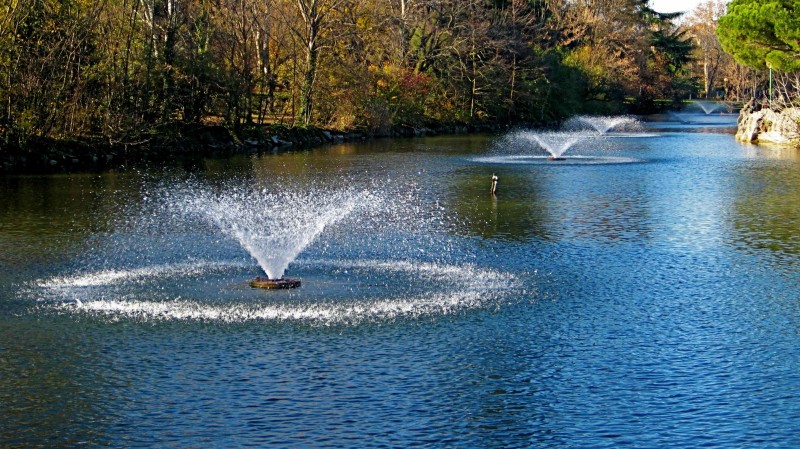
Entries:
{"x":644,"y":293}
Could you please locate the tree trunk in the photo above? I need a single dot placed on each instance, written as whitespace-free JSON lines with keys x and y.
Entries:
{"x":306,"y":98}
{"x":313,"y":20}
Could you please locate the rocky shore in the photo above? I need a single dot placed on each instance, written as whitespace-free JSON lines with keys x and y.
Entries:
{"x":190,"y":142}
{"x":760,"y":124}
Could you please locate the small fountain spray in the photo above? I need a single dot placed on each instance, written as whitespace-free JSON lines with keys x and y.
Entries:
{"x":557,"y":142}
{"x":600,"y":123}
{"x":709,"y":107}
{"x":274,"y":228}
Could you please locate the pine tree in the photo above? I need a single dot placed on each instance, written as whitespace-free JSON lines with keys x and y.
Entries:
{"x":762,"y":34}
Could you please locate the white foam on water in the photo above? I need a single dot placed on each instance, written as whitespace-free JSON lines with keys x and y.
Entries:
{"x":447,"y":289}
{"x":322,"y":313}
{"x":121,"y":276}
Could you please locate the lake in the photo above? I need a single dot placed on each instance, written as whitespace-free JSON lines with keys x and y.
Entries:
{"x":644,"y":292}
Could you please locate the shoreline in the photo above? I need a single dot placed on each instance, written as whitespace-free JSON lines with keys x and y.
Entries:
{"x":42,"y":156}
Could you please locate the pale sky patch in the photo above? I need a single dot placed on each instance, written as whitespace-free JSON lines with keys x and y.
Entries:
{"x":675,"y":5}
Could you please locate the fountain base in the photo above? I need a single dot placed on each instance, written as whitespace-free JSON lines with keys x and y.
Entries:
{"x":556,"y":158}
{"x":281,"y":283}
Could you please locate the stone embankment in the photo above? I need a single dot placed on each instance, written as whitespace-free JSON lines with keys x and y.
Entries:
{"x":760,"y":124}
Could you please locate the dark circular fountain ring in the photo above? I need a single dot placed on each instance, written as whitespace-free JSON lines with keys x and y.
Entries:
{"x":273,"y":284}
{"x":556,"y":158}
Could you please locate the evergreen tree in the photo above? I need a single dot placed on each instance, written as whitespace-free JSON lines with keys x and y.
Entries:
{"x":762,"y":34}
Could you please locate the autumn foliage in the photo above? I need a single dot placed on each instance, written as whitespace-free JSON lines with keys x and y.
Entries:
{"x":121,"y":70}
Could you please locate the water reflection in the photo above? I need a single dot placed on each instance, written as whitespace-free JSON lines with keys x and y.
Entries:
{"x":773,"y":152}
{"x":45,"y":219}
{"x":655,"y":300}
{"x":537,"y":203}
{"x":766,"y":212}
{"x":53,"y":389}
{"x":517,"y":212}
{"x":608,"y":204}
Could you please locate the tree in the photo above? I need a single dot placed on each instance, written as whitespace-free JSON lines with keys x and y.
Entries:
{"x":622,"y":48}
{"x":762,"y":34}
{"x":702,"y":26}
{"x":126,"y":70}
{"x":315,"y":15}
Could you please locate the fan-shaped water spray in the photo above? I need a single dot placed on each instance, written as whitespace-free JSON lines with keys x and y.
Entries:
{"x":708,"y":107}
{"x":600,"y":123}
{"x":275,"y":227}
{"x":556,"y":143}
{"x":522,"y":147}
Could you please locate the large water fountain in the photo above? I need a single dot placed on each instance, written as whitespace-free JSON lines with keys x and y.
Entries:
{"x":186,"y":251}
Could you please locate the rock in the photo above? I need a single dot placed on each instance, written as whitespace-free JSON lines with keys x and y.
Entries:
{"x":768,"y":126}
{"x":749,"y":125}
{"x":252,"y":142}
{"x":53,"y":162}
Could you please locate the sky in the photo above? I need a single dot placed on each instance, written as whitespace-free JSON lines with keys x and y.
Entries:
{"x":674,"y":5}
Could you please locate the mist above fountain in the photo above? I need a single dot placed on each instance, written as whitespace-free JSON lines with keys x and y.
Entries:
{"x":600,"y":123}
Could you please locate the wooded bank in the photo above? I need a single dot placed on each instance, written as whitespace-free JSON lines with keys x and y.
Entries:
{"x":124,"y":73}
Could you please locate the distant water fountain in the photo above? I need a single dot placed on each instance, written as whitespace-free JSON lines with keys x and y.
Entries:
{"x":557,"y":143}
{"x":697,"y":116}
{"x":576,"y":132}
{"x":600,"y":123}
{"x":709,"y":107}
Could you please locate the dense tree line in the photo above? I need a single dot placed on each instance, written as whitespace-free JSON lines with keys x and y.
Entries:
{"x":121,"y":69}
